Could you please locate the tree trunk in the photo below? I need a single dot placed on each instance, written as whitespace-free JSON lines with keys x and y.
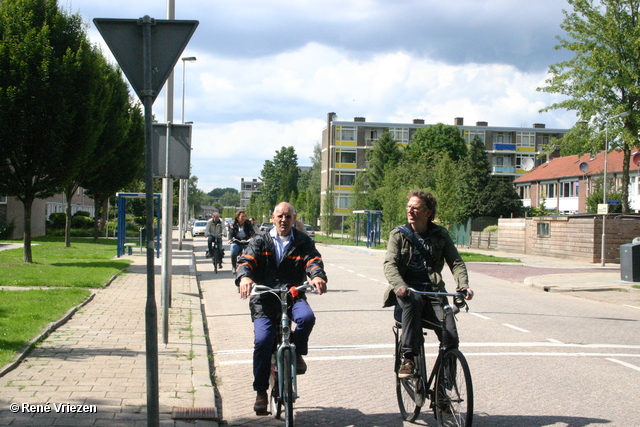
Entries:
{"x":27,"y":202}
{"x":96,"y":219}
{"x":625,"y":180}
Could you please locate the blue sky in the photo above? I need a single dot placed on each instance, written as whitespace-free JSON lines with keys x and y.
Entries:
{"x":268,"y":71}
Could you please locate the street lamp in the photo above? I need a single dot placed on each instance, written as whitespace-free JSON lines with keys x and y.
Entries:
{"x":182,"y":196}
{"x":604,"y":179}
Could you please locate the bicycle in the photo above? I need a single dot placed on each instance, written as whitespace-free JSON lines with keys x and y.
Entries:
{"x":282,"y":381}
{"x":216,"y":255}
{"x":451,"y":396}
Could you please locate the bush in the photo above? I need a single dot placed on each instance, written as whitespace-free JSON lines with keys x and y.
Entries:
{"x":490,"y":229}
{"x":58,"y":220}
{"x":6,"y":230}
{"x":81,"y":222}
{"x":82,"y":213}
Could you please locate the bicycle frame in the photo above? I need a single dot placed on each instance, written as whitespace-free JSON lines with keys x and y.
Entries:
{"x":284,"y":332}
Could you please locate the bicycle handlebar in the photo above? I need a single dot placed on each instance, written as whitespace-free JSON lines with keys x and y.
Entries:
{"x":240,"y":242}
{"x":282,"y":289}
{"x":440,"y":294}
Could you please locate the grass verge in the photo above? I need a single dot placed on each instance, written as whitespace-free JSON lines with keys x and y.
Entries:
{"x":84,"y":264}
{"x":24,"y":314}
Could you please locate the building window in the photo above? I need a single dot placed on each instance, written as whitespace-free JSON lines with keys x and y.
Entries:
{"x":526,"y":139}
{"x":400,"y":135}
{"x":342,"y":201}
{"x":501,"y":138}
{"x":3,"y":200}
{"x":548,"y":191}
{"x":569,"y":189}
{"x":524,"y":191}
{"x":470,"y":135}
{"x":344,"y":179}
{"x":543,"y":229}
{"x":345,"y":133}
{"x":345,"y":156}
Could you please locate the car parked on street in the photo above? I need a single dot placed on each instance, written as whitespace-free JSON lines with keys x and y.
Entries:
{"x":198,"y":228}
{"x":310,"y":231}
{"x":266,"y":226}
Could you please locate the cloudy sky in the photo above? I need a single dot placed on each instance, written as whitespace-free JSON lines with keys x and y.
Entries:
{"x":268,"y":71}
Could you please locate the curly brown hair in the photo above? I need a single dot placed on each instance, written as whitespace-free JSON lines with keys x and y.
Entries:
{"x":427,"y":198}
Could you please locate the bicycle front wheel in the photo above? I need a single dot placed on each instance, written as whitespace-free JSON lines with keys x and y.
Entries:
{"x":454,"y":391}
{"x":214,"y":257}
{"x":287,"y":387}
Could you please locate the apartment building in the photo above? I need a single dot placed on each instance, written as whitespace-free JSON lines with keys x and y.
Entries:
{"x":247,"y":188}
{"x":511,"y":151}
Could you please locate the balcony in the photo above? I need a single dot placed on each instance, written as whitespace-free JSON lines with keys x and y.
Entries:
{"x":504,"y":147}
{"x":503,"y":169}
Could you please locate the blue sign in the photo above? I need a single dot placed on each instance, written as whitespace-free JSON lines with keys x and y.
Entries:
{"x":613,"y":202}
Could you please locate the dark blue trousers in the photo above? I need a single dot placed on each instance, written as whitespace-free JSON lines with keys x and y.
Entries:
{"x":264,"y":330}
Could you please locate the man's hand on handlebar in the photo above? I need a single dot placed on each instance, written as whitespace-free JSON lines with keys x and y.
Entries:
{"x":403,"y":291}
{"x":320,"y":284}
{"x":245,"y":287}
{"x":468,"y":293}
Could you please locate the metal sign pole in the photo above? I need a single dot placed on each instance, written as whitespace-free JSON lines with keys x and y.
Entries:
{"x":151,"y":311}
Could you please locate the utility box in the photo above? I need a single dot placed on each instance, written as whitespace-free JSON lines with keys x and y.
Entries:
{"x":630,"y":262}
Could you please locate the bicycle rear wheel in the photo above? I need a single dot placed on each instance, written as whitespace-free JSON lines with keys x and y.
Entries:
{"x":408,"y":390}
{"x":287,"y":386}
{"x":454,"y":391}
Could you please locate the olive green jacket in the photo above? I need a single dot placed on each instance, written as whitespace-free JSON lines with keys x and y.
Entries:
{"x":399,"y":253}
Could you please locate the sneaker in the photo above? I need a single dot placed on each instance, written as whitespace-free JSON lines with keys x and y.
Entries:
{"x":407,"y":369}
{"x":207,"y":254}
{"x":262,"y":401}
{"x":301,"y":365}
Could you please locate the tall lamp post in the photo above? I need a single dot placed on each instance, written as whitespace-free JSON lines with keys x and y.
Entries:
{"x":604,"y":180}
{"x":182,"y":202}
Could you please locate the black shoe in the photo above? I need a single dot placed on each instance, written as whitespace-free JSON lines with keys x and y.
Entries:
{"x":219,"y":265}
{"x":301,"y":365}
{"x":262,"y":401}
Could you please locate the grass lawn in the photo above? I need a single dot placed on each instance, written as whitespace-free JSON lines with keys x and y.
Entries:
{"x":84,"y":264}
{"x":24,"y":314}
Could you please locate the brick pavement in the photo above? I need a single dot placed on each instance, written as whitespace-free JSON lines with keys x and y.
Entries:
{"x":97,"y":358}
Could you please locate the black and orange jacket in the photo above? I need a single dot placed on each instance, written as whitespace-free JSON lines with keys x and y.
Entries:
{"x":301,"y":260}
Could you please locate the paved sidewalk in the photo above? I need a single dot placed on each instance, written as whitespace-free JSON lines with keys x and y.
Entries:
{"x":97,"y":359}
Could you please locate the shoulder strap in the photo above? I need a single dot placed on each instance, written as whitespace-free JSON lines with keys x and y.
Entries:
{"x":417,"y":244}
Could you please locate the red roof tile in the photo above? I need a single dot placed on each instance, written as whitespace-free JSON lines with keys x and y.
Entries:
{"x":569,"y":166}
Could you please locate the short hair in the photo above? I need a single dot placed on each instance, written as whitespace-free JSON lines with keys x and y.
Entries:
{"x":427,"y":198}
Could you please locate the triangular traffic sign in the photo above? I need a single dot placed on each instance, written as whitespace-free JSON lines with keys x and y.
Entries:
{"x":125,"y":39}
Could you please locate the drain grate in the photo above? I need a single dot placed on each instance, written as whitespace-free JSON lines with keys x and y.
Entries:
{"x":194,"y":413}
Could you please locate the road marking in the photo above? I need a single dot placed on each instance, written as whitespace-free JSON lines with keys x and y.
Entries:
{"x":515,"y":327}
{"x":361,"y":275}
{"x":509,"y":354}
{"x":628,"y":365}
{"x":554,"y":341}
{"x":632,"y":306}
{"x":480,"y":316}
{"x":375,"y":280}
{"x":350,"y":271}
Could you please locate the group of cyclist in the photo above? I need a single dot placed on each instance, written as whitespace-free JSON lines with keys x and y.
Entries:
{"x":284,"y":254}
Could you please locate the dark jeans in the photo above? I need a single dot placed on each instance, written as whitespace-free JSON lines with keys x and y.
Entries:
{"x":412,"y":310}
{"x":265,"y":328}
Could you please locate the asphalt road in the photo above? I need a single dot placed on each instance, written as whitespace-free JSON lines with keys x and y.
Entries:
{"x":537,"y":358}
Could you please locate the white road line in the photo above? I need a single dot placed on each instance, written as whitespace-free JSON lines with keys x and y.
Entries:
{"x":515,"y":327}
{"x":375,"y":280}
{"x":361,"y":275}
{"x":554,"y":341}
{"x":480,"y":316}
{"x":350,"y":271}
{"x":628,"y":365}
{"x":509,"y":354}
{"x":632,"y":306}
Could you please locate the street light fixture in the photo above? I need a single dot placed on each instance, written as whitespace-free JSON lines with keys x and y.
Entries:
{"x":183,"y":189}
{"x":604,"y":179}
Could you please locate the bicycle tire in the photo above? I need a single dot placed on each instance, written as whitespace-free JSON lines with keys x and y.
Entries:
{"x":454,"y":391}
{"x":407,"y":389}
{"x":275,"y":402}
{"x":287,"y":385}
{"x":214,"y":257}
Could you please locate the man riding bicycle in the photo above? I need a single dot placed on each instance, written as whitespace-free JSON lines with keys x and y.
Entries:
{"x":215,"y":230}
{"x":415,"y":258}
{"x":282,"y":255}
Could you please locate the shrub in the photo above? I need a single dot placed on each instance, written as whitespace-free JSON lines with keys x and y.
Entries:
{"x":58,"y":220}
{"x":490,"y":229}
{"x":6,"y":230}
{"x":82,"y":213}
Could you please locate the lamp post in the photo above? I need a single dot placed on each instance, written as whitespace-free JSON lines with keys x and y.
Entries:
{"x":182,"y":202}
{"x":604,"y":180}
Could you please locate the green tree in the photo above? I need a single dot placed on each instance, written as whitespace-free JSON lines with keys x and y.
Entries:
{"x":217,"y":193}
{"x":475,"y":176}
{"x":44,"y":55}
{"x":230,"y":198}
{"x":447,"y":191}
{"x":431,"y":142}
{"x":602,"y":80}
{"x":328,"y":207}
{"x":384,"y":155}
{"x":280,"y":177}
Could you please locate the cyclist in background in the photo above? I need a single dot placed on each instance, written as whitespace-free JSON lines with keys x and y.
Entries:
{"x":282,"y":255}
{"x":215,"y":230}
{"x":240,"y":230}
{"x":415,"y":257}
